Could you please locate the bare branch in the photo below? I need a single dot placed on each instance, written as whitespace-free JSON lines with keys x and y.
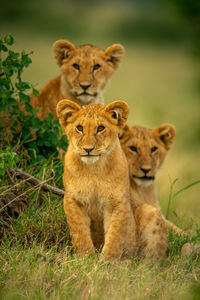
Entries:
{"x":33,"y":180}
{"x":30,"y":189}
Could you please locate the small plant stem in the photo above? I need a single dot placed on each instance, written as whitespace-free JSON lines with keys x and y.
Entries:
{"x":186,"y":187}
{"x":170,"y":196}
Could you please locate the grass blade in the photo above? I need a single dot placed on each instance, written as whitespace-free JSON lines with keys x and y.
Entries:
{"x":185,"y":188}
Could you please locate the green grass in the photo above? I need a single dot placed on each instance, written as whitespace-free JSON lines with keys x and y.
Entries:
{"x":34,"y":273}
{"x":37,"y":261}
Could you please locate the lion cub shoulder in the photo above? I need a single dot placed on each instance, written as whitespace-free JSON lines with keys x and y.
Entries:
{"x":97,"y":198}
{"x":85,"y":71}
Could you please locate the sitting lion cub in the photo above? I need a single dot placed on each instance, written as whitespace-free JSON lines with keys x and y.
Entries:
{"x":97,"y":198}
{"x":145,"y":151}
{"x":85,"y":71}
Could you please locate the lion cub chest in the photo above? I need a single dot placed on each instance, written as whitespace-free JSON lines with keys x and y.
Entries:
{"x":88,"y":191}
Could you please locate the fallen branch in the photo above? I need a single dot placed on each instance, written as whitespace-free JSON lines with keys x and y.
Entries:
{"x":31,"y":179}
{"x":39,"y":185}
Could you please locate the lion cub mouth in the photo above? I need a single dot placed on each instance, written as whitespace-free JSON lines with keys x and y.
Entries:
{"x":89,"y":156}
{"x":86,"y":94}
{"x":144,"y":177}
{"x":89,"y":159}
{"x":144,"y":181}
{"x":86,"y":97}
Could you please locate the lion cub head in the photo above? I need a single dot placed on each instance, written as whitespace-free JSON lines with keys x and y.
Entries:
{"x":145,"y":150}
{"x":92,"y":129}
{"x":86,"y":69}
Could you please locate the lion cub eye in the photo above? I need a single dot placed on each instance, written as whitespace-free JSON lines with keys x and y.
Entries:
{"x":79,"y":128}
{"x":76,"y":66}
{"x":134,"y":149}
{"x":100,"y":128}
{"x":96,"y":67}
{"x":154,"y":149}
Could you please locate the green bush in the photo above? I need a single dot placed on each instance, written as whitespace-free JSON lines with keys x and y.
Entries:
{"x":41,"y":139}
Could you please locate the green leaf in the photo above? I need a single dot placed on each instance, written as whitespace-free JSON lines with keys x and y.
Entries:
{"x":63,"y":142}
{"x":23,"y":97}
{"x":35,"y":92}
{"x":9,"y":40}
{"x":26,"y":85}
{"x":13,"y":55}
{"x":28,"y":107}
{"x":12,"y":101}
{"x":36,"y":123}
{"x":8,"y":159}
{"x":25,"y":133}
{"x":8,"y":71}
{"x":3,"y":47}
{"x":26,"y":60}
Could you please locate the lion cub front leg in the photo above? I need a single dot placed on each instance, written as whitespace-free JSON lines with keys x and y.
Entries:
{"x":79,"y":225}
{"x":152,"y":240}
{"x":119,"y":228}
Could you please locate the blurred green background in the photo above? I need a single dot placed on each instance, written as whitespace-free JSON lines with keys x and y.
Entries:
{"x":159,"y":76}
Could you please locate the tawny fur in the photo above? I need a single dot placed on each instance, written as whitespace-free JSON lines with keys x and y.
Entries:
{"x":85,"y":71}
{"x":97,"y":198}
{"x":151,"y":233}
{"x":145,"y":150}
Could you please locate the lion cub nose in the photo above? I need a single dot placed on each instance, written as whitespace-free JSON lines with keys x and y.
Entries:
{"x":85,"y":86}
{"x":88,"y":150}
{"x":145,"y":170}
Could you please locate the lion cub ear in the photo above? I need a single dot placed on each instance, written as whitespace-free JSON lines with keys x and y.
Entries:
{"x":65,"y":109}
{"x":115,"y":54}
{"x":119,"y":111}
{"x":124,"y":134}
{"x":165,"y":134}
{"x":61,"y":49}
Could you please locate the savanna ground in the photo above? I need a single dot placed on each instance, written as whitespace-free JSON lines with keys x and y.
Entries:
{"x":159,"y":82}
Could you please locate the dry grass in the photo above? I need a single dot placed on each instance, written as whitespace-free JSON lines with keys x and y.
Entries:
{"x":36,"y":274}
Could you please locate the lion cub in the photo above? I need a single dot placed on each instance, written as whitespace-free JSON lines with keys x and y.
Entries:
{"x":97,"y":198}
{"x":85,"y":71}
{"x":145,"y":150}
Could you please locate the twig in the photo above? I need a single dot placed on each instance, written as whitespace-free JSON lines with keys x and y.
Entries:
{"x":35,"y":186}
{"x":33,"y":180}
{"x":12,"y":187}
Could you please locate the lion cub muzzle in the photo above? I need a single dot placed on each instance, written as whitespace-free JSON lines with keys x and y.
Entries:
{"x":89,"y":157}
{"x":145,"y":178}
